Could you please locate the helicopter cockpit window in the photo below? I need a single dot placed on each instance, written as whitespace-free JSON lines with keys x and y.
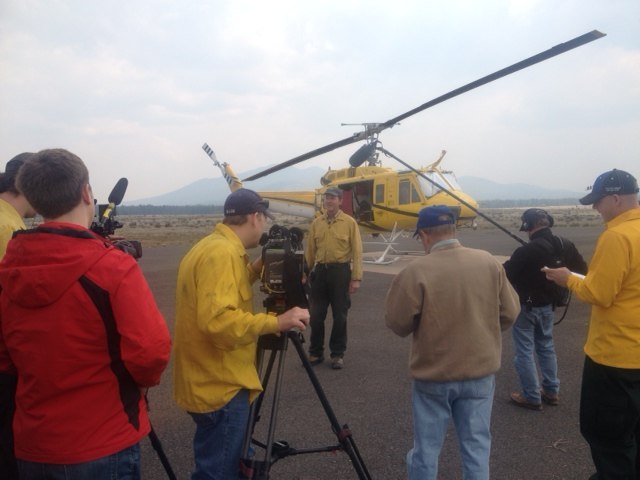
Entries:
{"x":446,"y":180}
{"x":380,"y":193}
{"x":427,"y":187}
{"x":407,"y":193}
{"x":453,"y":181}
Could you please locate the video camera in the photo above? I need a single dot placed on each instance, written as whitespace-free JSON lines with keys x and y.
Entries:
{"x":105,"y":223}
{"x":283,"y":269}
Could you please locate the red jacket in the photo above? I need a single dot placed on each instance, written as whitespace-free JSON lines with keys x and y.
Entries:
{"x":79,"y":325}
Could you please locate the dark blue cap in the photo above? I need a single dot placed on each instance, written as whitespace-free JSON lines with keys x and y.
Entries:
{"x":434,"y":216}
{"x":244,"y":201}
{"x":614,"y":182}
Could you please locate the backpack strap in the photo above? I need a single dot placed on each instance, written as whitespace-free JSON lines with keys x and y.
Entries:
{"x":555,"y":247}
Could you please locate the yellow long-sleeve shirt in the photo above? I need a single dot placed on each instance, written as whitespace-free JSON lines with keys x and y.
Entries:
{"x":216,"y":331}
{"x":612,"y":287}
{"x":10,"y":221}
{"x":335,"y":241}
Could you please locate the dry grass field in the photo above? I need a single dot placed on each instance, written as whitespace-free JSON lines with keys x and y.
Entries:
{"x":166,"y":230}
{"x":564,"y":216}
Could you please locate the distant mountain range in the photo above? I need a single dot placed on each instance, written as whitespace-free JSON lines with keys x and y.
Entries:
{"x":213,"y":191}
{"x":483,"y":189}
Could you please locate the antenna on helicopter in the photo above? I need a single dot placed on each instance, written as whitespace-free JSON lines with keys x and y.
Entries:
{"x":437,"y":162}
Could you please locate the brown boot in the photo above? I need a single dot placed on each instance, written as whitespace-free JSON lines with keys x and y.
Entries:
{"x":549,"y":398}
{"x":519,"y":400}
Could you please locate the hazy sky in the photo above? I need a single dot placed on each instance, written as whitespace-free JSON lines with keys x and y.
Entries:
{"x":136,"y":87}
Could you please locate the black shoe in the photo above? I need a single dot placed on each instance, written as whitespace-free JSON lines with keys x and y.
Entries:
{"x":315,"y":360}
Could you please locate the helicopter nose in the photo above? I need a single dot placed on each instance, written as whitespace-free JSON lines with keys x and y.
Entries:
{"x":470,"y":210}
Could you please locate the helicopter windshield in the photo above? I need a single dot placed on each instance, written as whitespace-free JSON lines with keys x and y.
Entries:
{"x":444,"y":179}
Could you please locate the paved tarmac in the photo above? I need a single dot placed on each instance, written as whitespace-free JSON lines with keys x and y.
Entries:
{"x":372,"y":393}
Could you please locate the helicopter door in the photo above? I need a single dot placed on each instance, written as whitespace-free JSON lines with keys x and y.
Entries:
{"x":363,"y":196}
{"x":347,"y":201}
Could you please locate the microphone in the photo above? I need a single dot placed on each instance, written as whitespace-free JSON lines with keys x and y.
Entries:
{"x":115,"y":198}
{"x":362,"y":154}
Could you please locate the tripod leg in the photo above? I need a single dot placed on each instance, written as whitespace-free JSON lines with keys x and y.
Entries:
{"x":250,"y":467}
{"x":342,"y":432}
{"x":274,"y":414}
{"x":248,"y":464}
{"x":157,"y":446}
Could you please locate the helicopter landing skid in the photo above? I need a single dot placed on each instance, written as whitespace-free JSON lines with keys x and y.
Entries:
{"x":388,"y":242}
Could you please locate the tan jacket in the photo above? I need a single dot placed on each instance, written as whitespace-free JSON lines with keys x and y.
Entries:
{"x":455,"y":301}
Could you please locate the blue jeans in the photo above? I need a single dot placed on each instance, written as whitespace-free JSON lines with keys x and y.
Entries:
{"x":533,"y":332}
{"x":124,"y":465}
{"x":469,"y":403}
{"x":217,"y":443}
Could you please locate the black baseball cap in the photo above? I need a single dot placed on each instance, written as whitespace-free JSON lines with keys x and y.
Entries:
{"x":531,"y":216}
{"x":614,"y":182}
{"x":8,"y":178}
{"x":244,"y":201}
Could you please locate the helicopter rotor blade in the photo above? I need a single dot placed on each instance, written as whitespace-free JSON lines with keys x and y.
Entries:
{"x":305,"y":156}
{"x":540,"y":57}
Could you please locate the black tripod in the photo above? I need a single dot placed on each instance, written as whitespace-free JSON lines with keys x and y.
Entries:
{"x":157,"y":446}
{"x":274,"y":451}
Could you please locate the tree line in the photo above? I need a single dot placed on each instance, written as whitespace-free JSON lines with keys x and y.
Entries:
{"x":530,"y":202}
{"x":217,"y":209}
{"x":169,"y":209}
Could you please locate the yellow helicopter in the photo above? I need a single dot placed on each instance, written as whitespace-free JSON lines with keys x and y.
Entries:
{"x":379,"y":198}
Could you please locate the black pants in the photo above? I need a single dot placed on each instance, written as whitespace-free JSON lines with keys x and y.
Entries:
{"x":329,"y":286}
{"x":610,"y":419}
{"x":8,"y":465}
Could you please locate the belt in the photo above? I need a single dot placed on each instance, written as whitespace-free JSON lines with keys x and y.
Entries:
{"x":332,"y":265}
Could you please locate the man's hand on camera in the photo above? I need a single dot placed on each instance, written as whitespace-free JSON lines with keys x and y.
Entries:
{"x":256,"y":266}
{"x":294,"y":318}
